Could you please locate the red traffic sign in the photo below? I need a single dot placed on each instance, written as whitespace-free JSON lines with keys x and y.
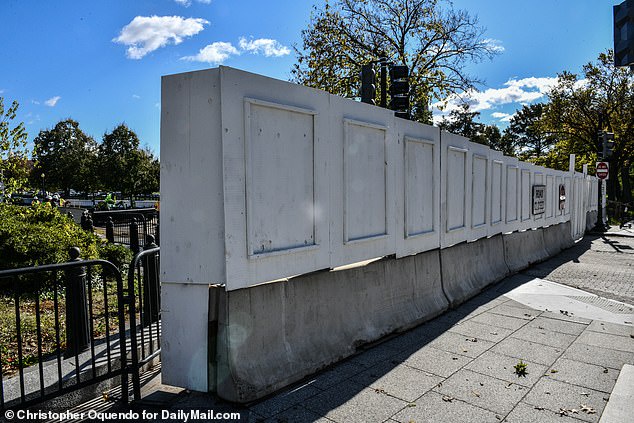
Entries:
{"x":603,"y":170}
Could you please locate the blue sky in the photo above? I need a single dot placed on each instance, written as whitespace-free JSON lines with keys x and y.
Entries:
{"x":100,"y":62}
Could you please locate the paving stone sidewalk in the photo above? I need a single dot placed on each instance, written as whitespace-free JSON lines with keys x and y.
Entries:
{"x":460,"y":367}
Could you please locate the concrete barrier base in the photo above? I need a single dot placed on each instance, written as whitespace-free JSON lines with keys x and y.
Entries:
{"x":268,"y":336}
{"x":521,"y":249}
{"x":468,"y":268}
{"x":557,"y":238}
{"x":274,"y":334}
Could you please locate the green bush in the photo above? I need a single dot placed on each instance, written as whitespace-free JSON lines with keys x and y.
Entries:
{"x":38,"y":235}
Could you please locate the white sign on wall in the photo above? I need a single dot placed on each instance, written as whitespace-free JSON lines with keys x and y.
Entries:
{"x":539,"y":199}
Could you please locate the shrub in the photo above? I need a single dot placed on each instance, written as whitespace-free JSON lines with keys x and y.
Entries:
{"x":38,"y":235}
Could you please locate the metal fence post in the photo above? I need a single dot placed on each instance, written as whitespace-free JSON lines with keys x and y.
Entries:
{"x":77,"y":333}
{"x":158,"y":233}
{"x":134,"y":236}
{"x":110,"y":230}
{"x":150,"y":284}
{"x":89,"y":224}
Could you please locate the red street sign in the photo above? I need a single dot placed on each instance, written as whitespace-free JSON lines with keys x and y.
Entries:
{"x":603,"y":170}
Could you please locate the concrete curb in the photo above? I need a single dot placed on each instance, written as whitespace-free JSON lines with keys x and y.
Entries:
{"x":619,"y":407}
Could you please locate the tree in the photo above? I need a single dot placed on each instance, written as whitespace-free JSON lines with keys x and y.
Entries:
{"x":462,"y":121}
{"x":64,"y":155}
{"x":124,"y":166}
{"x":578,"y":108}
{"x":528,"y":135}
{"x":435,"y":44}
{"x":13,"y":150}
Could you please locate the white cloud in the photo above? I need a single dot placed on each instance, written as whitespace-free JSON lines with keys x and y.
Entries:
{"x":214,"y":53}
{"x":495,"y":45}
{"x":145,"y":34}
{"x":502,"y":117}
{"x":219,"y":51}
{"x":522,"y":91}
{"x":136,"y":96}
{"x":266,"y":46}
{"x":51,"y":102}
{"x":188,"y":3}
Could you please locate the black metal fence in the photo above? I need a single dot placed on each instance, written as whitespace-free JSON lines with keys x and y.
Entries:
{"x":77,"y":324}
{"x":129,"y":227}
{"x":68,"y":332}
{"x":144,"y":274}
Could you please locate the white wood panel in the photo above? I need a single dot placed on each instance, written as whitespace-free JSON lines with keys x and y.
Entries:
{"x":251,"y":103}
{"x":455,"y":189}
{"x":280,"y":144}
{"x":497,"y":212}
{"x":419,"y":199}
{"x":363,"y":154}
{"x":480,"y":176}
{"x":512,"y":200}
{"x":365,"y":174}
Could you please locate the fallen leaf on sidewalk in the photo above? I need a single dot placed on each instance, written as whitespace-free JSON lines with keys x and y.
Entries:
{"x":476,"y":393}
{"x":587,"y":409}
{"x":472,"y":339}
{"x":411,"y":404}
{"x":605,"y":370}
{"x":447,"y":398}
{"x":553,"y":370}
{"x":565,"y":411}
{"x":537,"y":407}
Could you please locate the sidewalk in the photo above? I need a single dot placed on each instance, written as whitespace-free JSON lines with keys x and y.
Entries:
{"x":460,"y":367}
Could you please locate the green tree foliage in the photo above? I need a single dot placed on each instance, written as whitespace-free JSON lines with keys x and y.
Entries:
{"x":64,"y":156}
{"x":124,"y":166}
{"x":462,"y":121}
{"x":13,"y":151}
{"x":429,"y":36}
{"x":32,"y":236}
{"x":528,"y":135}
{"x":579,"y":107}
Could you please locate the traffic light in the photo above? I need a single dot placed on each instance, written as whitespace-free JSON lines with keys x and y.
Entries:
{"x":399,"y":90}
{"x":608,"y":144}
{"x":624,"y":34}
{"x":368,"y":84}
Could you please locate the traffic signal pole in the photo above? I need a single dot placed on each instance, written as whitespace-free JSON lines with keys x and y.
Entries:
{"x":383,"y":61}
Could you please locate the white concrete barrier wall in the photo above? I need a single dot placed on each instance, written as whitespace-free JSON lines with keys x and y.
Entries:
{"x":263,"y":179}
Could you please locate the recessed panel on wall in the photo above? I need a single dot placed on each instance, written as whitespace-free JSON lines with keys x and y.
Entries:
{"x":550,"y":204}
{"x":496,"y":192}
{"x":456,"y":188}
{"x":419,"y":187}
{"x":512,"y":194}
{"x":365,"y":205}
{"x":479,"y":190}
{"x":280,"y":186}
{"x":525,"y":184}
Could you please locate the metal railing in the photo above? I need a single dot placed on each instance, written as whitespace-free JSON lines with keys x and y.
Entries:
{"x":128,"y":227}
{"x":69,"y":330}
{"x":145,"y":340}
